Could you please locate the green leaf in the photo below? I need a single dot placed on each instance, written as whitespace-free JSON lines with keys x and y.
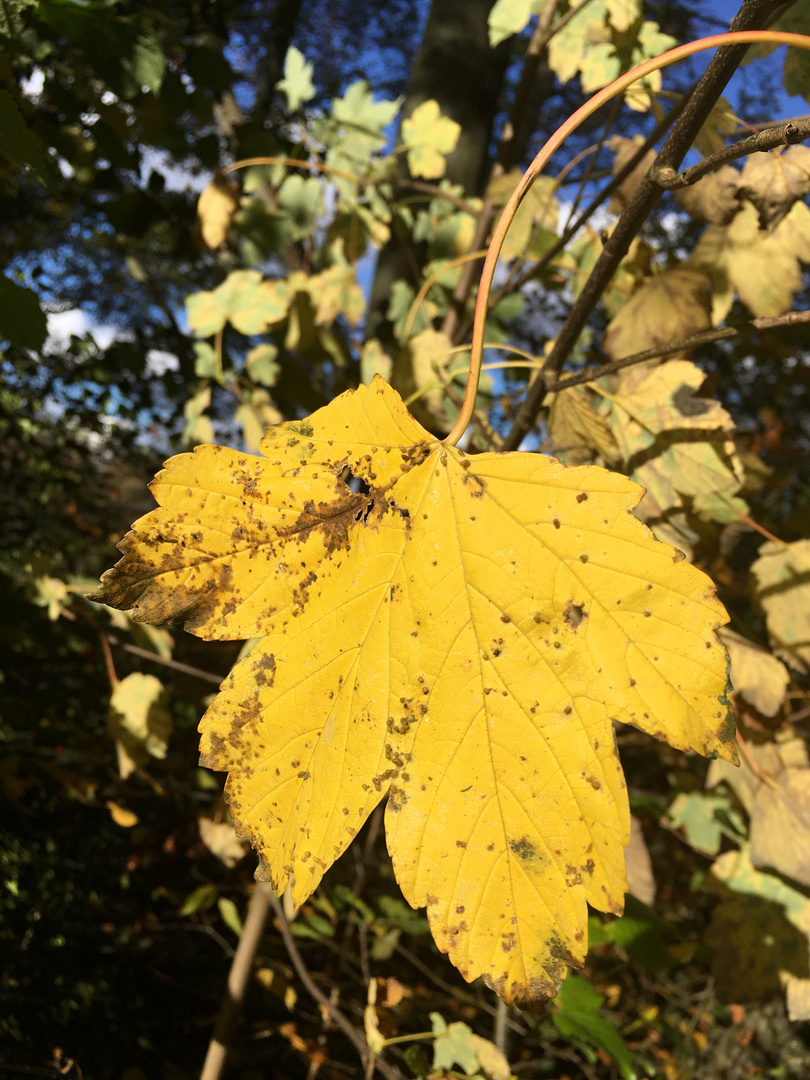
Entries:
{"x":18,"y":143}
{"x":509,"y":17}
{"x":10,"y":21}
{"x":705,"y":819}
{"x":261,"y":365}
{"x":358,"y":109}
{"x":452,"y":1046}
{"x":202,"y":898}
{"x":579,"y":1016}
{"x":243,"y":299}
{"x":315,"y":927}
{"x":205,"y":362}
{"x":297,"y":85}
{"x":300,"y":197}
{"x":146,"y":63}
{"x":22,"y":320}
{"x":230,"y":915}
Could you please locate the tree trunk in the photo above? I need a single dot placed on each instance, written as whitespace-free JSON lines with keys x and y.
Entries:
{"x":455,"y":66}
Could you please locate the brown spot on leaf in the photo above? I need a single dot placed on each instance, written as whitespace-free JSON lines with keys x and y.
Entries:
{"x":523,"y":848}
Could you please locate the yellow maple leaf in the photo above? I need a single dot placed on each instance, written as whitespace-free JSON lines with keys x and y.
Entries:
{"x":461,"y":636}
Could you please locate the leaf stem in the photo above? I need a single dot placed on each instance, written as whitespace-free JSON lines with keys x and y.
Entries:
{"x":430,"y":280}
{"x":618,"y":86}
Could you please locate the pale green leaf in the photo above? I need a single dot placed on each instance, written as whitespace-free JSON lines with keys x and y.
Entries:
{"x":429,"y":137}
{"x":297,"y":85}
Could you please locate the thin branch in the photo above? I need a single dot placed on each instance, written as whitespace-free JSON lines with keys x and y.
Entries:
{"x":349,"y":1030}
{"x":766,"y":125}
{"x":108,"y":660}
{"x":704,"y":337}
{"x":187,"y":669}
{"x":786,"y":135}
{"x":751,"y":16}
{"x":499,"y":1028}
{"x":537,"y":268}
{"x":241,"y":966}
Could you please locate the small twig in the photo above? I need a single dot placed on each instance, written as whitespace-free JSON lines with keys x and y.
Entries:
{"x":499,"y":1028}
{"x":704,"y":337}
{"x":237,"y":981}
{"x":349,"y":1030}
{"x":794,"y":131}
{"x":108,"y":660}
{"x":750,"y":521}
{"x":187,"y":669}
{"x":454,"y":991}
{"x":756,"y":768}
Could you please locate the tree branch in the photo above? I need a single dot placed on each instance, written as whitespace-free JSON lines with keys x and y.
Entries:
{"x":751,"y":16}
{"x":349,"y":1030}
{"x":187,"y":669}
{"x":794,"y":131}
{"x":237,"y":981}
{"x":618,"y":179}
{"x":704,"y":337}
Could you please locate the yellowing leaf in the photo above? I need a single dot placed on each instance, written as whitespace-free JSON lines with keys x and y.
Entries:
{"x":569,"y":47}
{"x":780,"y":825}
{"x":215,"y":211}
{"x":625,"y":149}
{"x":244,"y":300}
{"x":782,"y":573}
{"x":774,"y":181}
{"x":539,"y":209}
{"x":509,"y":17}
{"x":221,"y":840}
{"x":668,"y":306}
{"x":714,"y":198}
{"x":138,"y":721}
{"x":374,"y":360}
{"x":461,"y":637}
{"x":121,"y":816}
{"x":575,"y":428}
{"x":335,"y":292}
{"x":763,"y":268}
{"x":759,"y":677}
{"x":656,"y":419}
{"x":429,"y":138}
{"x":640,"y":877}
{"x":623,"y":13}
{"x":421,"y":366}
{"x":721,"y":121}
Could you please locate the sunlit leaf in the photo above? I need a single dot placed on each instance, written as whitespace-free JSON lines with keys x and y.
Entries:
{"x":755,"y":674}
{"x":216,"y":208}
{"x":782,"y":574}
{"x":429,"y":138}
{"x":297,"y":85}
{"x":498,"y":601}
